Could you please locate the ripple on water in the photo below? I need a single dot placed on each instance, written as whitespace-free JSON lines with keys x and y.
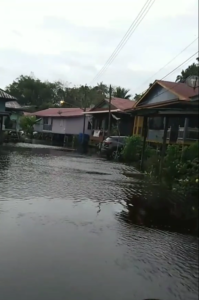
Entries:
{"x":63,"y":224}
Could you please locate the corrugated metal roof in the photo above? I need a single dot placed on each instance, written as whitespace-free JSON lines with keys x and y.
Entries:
{"x":6,"y":96}
{"x":13,"y":104}
{"x":122,"y":104}
{"x":60,"y":112}
{"x":182,"y":90}
{"x":118,"y":103}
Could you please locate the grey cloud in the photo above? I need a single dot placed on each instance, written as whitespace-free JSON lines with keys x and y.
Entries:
{"x":16,"y":32}
{"x":105,"y":36}
{"x":44,"y":66}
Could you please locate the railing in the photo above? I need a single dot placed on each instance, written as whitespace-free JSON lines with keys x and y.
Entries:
{"x":192,"y":134}
{"x":47,"y":127}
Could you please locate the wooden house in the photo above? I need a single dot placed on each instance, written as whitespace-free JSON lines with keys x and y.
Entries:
{"x":121,"y":122}
{"x":170,"y":104}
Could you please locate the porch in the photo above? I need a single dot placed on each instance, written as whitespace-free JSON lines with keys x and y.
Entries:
{"x":121,"y":123}
{"x":182,"y":124}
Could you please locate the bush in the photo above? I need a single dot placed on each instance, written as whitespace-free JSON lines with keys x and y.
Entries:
{"x":181,"y":167}
{"x":27,"y":124}
{"x":132,"y":149}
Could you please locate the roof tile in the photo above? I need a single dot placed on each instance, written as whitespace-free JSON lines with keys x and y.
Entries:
{"x":182,"y":90}
{"x":60,"y":112}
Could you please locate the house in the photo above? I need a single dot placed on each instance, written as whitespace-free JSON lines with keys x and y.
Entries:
{"x":60,"y":123}
{"x":4,"y":98}
{"x":120,"y":121}
{"x":172,"y":103}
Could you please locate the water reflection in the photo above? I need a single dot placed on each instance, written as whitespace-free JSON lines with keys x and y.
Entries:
{"x":67,"y":230}
{"x":4,"y":162}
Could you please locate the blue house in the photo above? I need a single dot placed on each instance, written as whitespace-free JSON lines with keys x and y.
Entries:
{"x":170,"y":103}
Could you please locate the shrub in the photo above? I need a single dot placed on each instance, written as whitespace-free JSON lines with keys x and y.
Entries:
{"x":27,"y":124}
{"x":132,"y":149}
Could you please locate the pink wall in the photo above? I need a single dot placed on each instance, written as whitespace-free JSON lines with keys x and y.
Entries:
{"x":73,"y":125}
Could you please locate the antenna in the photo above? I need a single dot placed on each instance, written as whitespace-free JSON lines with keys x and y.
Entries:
{"x":193,"y":81}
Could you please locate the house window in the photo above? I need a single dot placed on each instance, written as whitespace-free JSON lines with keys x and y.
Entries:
{"x":45,"y":121}
{"x":89,"y":127}
{"x":156,"y":123}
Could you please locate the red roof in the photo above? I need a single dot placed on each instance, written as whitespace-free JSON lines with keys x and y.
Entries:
{"x":60,"y":112}
{"x":181,"y":90}
{"x":122,"y":104}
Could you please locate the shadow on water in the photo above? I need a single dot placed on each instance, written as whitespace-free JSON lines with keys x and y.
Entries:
{"x":154,"y":206}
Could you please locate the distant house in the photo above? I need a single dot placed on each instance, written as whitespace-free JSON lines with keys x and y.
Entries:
{"x":4,"y":98}
{"x":120,"y":120}
{"x":174,"y":101}
{"x":62,"y":121}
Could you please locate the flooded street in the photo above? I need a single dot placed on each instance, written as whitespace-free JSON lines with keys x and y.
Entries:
{"x":64,"y":234}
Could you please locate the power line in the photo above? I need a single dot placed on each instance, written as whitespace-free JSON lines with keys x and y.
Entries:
{"x":177,"y":83}
{"x":147,"y":6}
{"x":126,"y":37}
{"x":167,"y":64}
{"x":179,"y":66}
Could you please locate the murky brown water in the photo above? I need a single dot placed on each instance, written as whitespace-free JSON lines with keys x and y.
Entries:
{"x":63,"y":235}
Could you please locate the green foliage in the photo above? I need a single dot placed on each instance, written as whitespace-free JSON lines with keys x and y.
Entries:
{"x":132,"y":149}
{"x":180,"y":165}
{"x":191,"y":70}
{"x":120,"y":92}
{"x":27,"y":124}
{"x":30,"y":90}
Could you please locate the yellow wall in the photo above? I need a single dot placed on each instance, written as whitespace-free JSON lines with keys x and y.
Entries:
{"x":138,"y":125}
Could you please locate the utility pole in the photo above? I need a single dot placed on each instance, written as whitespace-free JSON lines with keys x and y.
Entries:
{"x":109,"y":111}
{"x":84,"y":109}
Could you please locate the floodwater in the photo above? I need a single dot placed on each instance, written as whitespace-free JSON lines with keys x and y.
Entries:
{"x":63,"y":234}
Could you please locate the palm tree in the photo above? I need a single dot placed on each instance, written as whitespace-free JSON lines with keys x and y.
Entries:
{"x":190,"y":70}
{"x":121,"y":93}
{"x":101,"y":88}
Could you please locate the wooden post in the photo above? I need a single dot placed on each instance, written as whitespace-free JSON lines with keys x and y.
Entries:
{"x":163,"y":144}
{"x":145,"y":130}
{"x":109,"y":111}
{"x":186,"y":125}
{"x":51,"y":138}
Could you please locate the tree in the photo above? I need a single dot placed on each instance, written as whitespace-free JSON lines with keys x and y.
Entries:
{"x":102,"y":88}
{"x":190,"y":70}
{"x":32,"y":91}
{"x":137,"y":97}
{"x":120,"y":92}
{"x":27,"y":124}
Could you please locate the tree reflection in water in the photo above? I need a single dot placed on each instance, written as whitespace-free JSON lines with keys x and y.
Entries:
{"x":155,"y":207}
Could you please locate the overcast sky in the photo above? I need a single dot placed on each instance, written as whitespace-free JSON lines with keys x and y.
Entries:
{"x":72,"y":40}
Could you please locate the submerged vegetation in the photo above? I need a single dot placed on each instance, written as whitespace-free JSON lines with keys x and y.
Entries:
{"x":178,"y":174}
{"x":180,"y":165}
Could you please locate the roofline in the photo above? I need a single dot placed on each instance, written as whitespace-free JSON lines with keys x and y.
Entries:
{"x":57,"y":116}
{"x":165,"y":87}
{"x":102,"y":111}
{"x":146,"y":92}
{"x":99,"y":103}
{"x":177,"y":94}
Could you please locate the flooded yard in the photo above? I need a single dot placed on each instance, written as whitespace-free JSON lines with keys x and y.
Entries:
{"x":65,"y":233}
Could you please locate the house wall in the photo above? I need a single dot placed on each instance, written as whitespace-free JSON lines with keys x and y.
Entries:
{"x":2,"y":105}
{"x":72,"y":125}
{"x":157,"y":95}
{"x":155,"y":135}
{"x":14,"y":116}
